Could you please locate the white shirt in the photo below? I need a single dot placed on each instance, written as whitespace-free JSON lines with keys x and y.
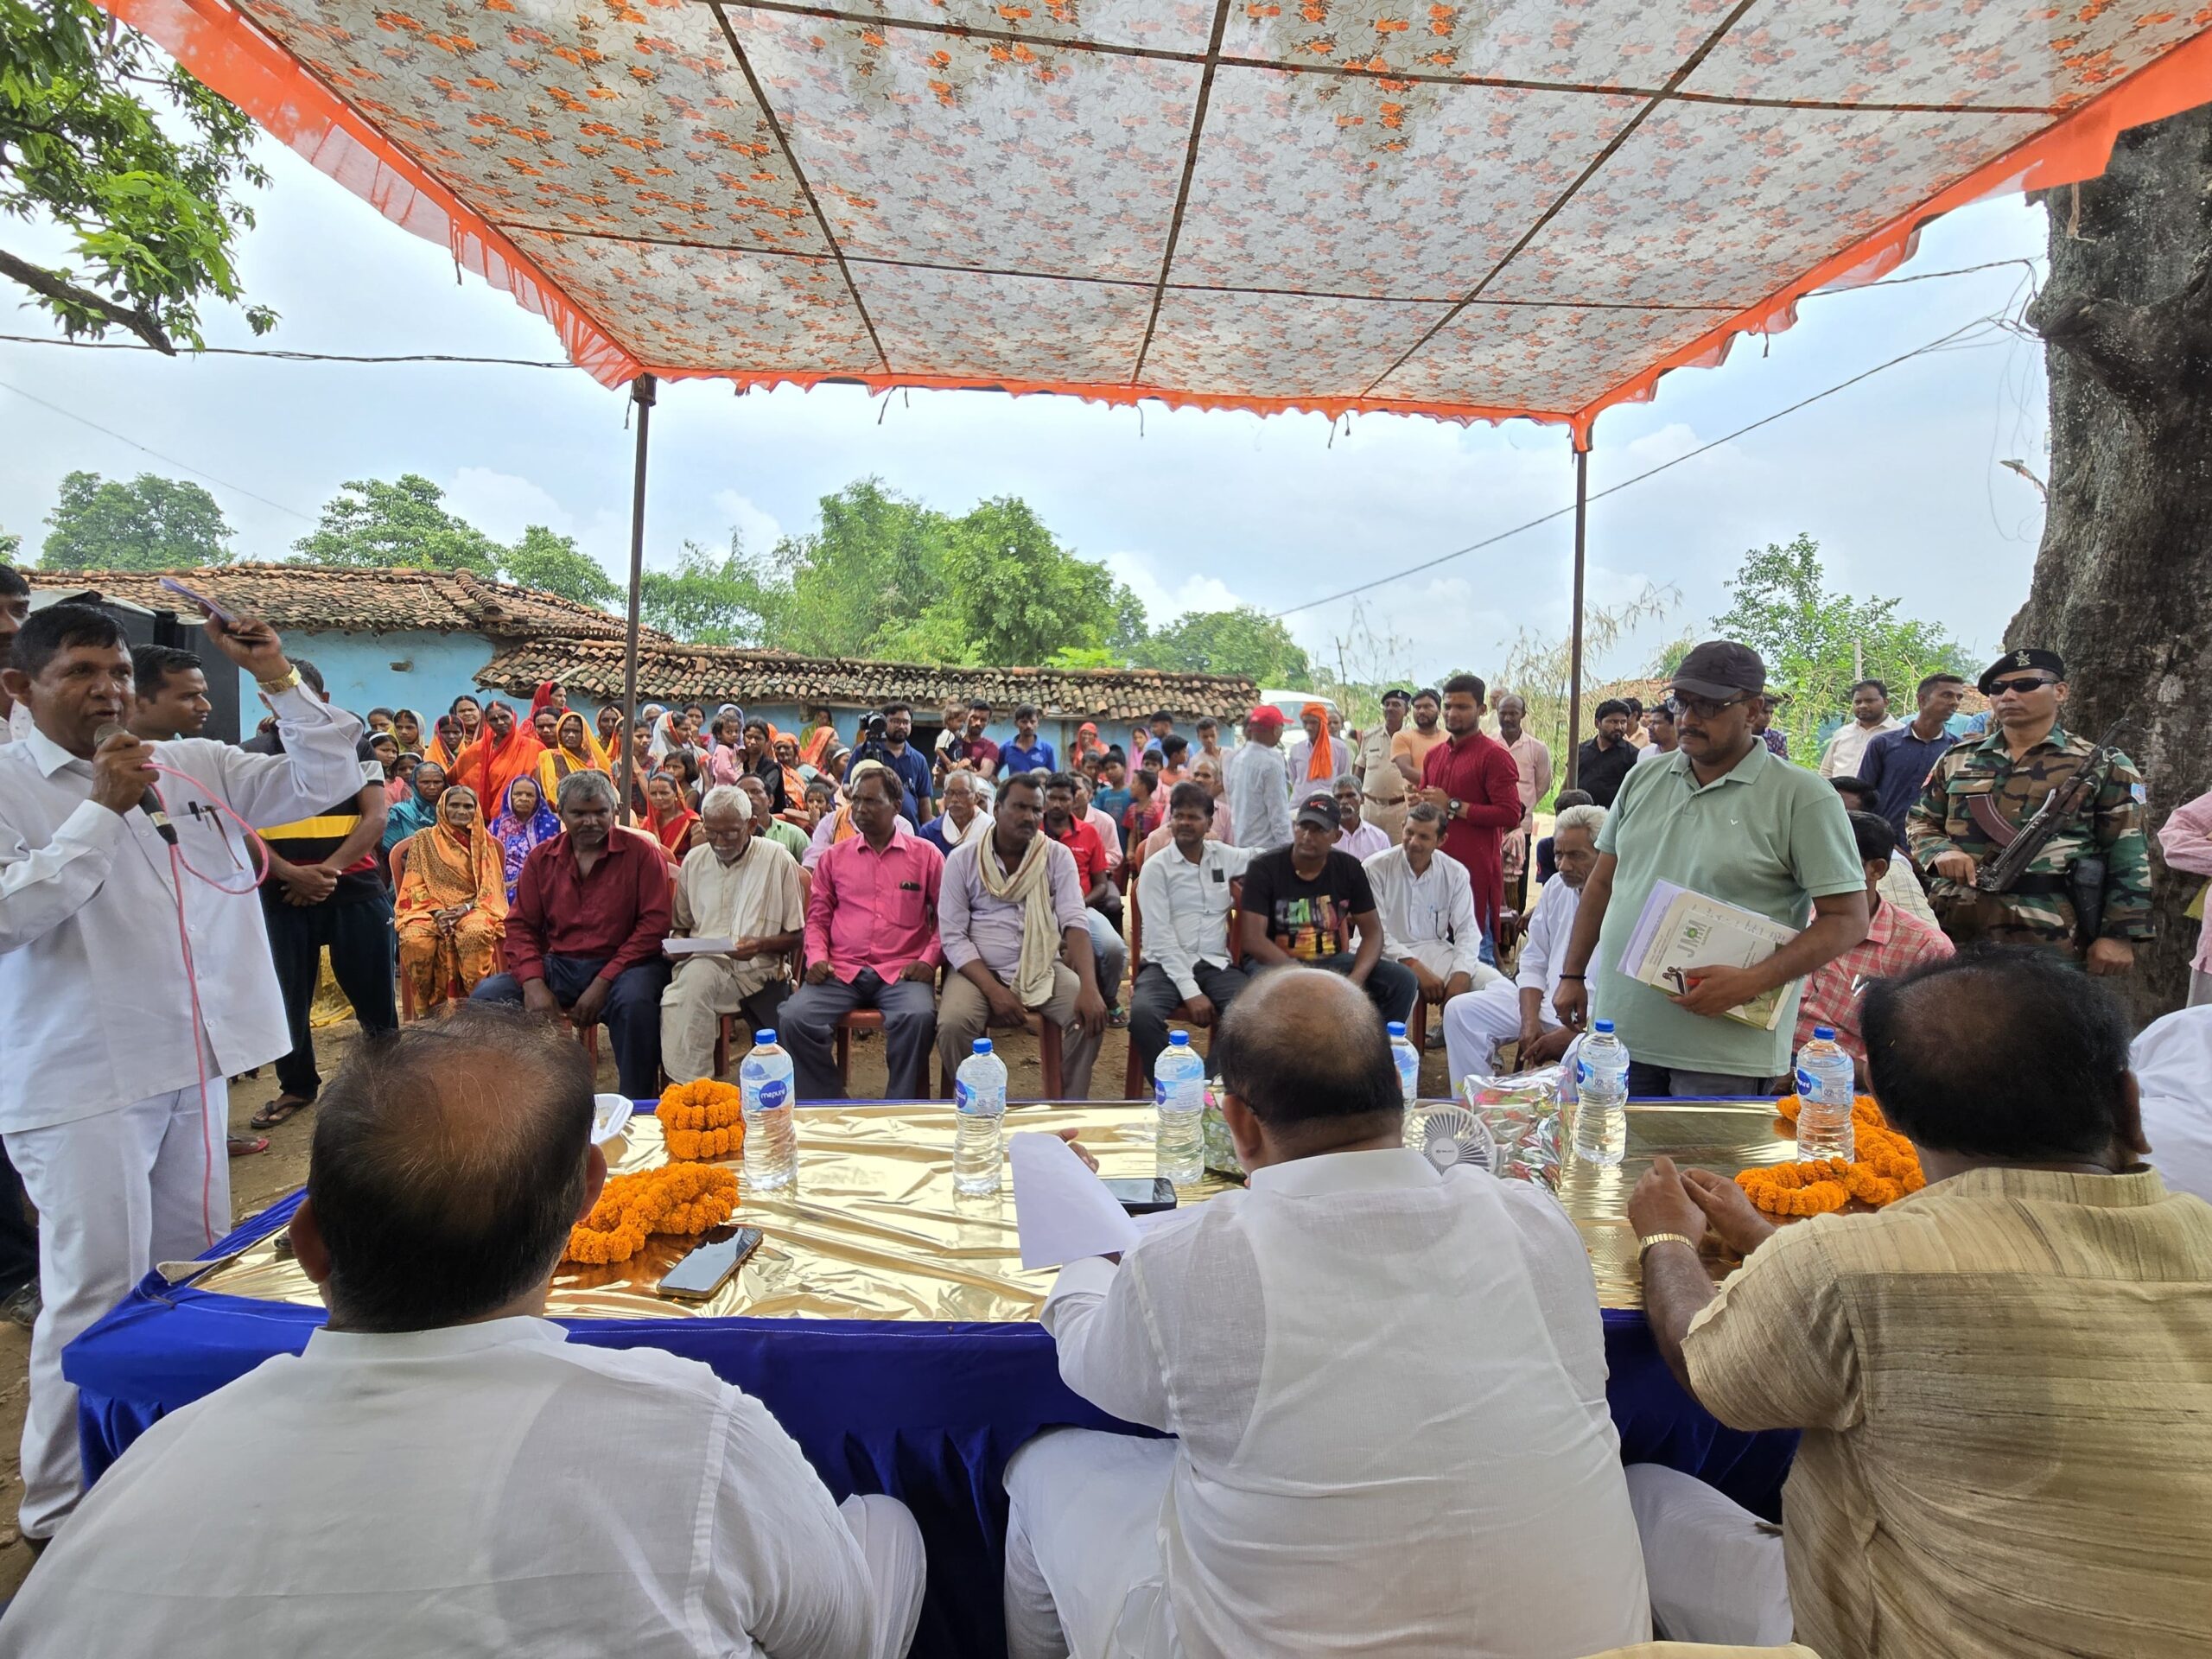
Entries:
{"x":18,"y":725}
{"x":754,"y":898}
{"x":1543,"y":947}
{"x":1184,"y":908}
{"x":1842,"y":757}
{"x":1651,"y":752}
{"x":1436,"y":905}
{"x":1256,"y":779}
{"x":2172,"y":1061}
{"x":1389,"y":1388}
{"x":92,"y":970}
{"x":1110,"y":832}
{"x":1363,"y":841}
{"x":484,"y":1489}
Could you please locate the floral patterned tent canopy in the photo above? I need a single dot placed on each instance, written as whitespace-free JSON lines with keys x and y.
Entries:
{"x":1470,"y":210}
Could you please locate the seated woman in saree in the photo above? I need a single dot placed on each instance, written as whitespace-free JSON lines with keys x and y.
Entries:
{"x":524,"y":819}
{"x":573,"y":749}
{"x":418,"y":807}
{"x":451,"y":909}
{"x":668,"y":820}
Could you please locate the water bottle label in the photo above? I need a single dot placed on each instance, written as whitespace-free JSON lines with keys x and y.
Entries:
{"x":774,"y":1092}
{"x":1583,"y":1073}
{"x":1807,"y":1087}
{"x":1159,"y":1094}
{"x":964,"y":1097}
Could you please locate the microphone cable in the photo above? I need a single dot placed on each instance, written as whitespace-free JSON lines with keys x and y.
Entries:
{"x":202,"y":1043}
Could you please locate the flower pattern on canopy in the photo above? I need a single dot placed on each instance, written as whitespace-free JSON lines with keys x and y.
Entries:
{"x":1465,"y":210}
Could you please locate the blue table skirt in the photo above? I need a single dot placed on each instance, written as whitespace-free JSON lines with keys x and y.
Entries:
{"x":929,"y":1412}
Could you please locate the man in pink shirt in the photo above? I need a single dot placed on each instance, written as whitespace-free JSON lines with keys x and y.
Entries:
{"x":871,"y":942}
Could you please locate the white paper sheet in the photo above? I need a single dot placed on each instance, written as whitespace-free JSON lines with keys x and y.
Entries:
{"x":1062,"y":1212}
{"x":702,"y":947}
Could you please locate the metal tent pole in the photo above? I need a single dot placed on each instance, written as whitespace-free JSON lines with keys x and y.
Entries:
{"x":642,"y":392}
{"x":1575,"y":660}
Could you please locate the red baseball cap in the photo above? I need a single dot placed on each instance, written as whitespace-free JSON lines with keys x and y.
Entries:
{"x":1264,"y":714}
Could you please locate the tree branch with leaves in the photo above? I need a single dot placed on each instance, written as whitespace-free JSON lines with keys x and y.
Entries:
{"x":138,"y":164}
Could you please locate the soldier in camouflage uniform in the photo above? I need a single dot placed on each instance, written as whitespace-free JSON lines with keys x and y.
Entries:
{"x":2028,"y":755}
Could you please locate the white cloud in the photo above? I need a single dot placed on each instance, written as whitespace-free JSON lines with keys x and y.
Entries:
{"x":757,"y":528}
{"x":504,"y":504}
{"x":1196,"y":591}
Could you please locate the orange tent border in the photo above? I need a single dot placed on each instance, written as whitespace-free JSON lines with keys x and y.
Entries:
{"x":226,"y":51}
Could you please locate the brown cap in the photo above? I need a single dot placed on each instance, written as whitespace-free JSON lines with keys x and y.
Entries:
{"x":1721,"y":669}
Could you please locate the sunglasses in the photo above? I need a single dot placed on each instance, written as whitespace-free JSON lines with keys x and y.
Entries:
{"x":2020,"y":683}
{"x":1703,"y":708}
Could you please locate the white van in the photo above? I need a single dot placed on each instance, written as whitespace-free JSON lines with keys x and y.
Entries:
{"x":1291,"y":703}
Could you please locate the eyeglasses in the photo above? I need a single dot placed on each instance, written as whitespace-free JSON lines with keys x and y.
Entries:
{"x":2020,"y":683}
{"x":1703,"y":708}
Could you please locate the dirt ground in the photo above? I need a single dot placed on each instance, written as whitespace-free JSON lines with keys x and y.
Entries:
{"x":260,"y":1180}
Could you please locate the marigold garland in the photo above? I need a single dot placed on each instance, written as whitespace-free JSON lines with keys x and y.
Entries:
{"x":1882,"y":1169}
{"x":673,"y":1199}
{"x":705,"y":1119}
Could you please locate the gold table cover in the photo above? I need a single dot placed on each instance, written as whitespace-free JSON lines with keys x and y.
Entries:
{"x":873,"y":1231}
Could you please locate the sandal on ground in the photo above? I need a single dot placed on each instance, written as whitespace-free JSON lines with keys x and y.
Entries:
{"x":282,"y":1109}
{"x":244,"y":1145}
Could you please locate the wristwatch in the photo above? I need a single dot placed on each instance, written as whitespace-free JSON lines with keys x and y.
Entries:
{"x":283,"y":682}
{"x":1644,"y":1245}
{"x":1457,"y":807}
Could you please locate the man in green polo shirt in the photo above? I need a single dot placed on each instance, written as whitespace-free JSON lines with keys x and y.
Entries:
{"x":1721,"y":816}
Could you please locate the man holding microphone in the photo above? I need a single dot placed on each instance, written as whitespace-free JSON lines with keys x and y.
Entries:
{"x":114,"y":1106}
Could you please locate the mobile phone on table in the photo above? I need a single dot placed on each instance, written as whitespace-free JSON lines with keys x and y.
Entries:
{"x":200,"y":599}
{"x":707,"y":1270}
{"x":1141,"y":1196}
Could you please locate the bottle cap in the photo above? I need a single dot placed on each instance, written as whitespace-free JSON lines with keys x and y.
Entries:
{"x":763,"y":1039}
{"x":1397,"y":1027}
{"x":1824,"y":1033}
{"x":1603,"y":1027}
{"x":1178,"y":1040}
{"x":980,"y":1046}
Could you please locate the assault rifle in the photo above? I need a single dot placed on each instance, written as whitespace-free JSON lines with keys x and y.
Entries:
{"x":2018,"y":848}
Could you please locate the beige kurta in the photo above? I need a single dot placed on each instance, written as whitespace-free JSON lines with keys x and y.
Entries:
{"x":2006,"y":1385}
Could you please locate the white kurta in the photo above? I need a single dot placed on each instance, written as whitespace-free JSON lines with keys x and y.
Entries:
{"x":1476,"y":1023}
{"x":1256,"y":779}
{"x":481,"y":1489}
{"x":119,"y":1145}
{"x":1389,"y":1384}
{"x":92,"y":972}
{"x":1429,"y":917}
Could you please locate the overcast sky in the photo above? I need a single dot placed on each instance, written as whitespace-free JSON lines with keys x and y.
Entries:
{"x":1899,"y":478}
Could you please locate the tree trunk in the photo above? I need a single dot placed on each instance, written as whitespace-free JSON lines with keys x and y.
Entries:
{"x":2121,"y":586}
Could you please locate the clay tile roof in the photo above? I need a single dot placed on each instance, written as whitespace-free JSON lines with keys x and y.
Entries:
{"x":346,"y":600}
{"x":713,"y":674}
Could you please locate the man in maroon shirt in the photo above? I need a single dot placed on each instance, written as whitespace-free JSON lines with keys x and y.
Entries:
{"x":1102,"y":899}
{"x":1475,"y":782}
{"x":584,"y":934}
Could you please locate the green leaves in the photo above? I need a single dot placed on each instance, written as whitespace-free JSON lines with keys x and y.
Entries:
{"x":372,"y":523}
{"x":140,"y":164}
{"x":150,"y":524}
{"x":556,"y":563}
{"x":1806,"y":634}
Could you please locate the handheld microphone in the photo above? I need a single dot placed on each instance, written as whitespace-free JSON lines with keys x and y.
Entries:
{"x":149,"y":803}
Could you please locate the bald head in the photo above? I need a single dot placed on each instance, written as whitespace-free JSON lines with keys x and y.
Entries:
{"x":1306,"y":1053}
{"x":449,"y":1159}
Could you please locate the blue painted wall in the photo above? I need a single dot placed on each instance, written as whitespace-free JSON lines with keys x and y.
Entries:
{"x":416,"y":669}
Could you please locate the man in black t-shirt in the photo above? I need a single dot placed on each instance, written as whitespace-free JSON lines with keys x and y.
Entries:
{"x":324,"y":889}
{"x":1303,"y":903}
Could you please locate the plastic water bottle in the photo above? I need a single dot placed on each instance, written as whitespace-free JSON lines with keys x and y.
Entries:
{"x":1825,"y":1096}
{"x":764,"y":1077}
{"x":1179,"y":1091}
{"x":1601,"y":1098}
{"x":979,"y":1098}
{"x":1408,"y":1061}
